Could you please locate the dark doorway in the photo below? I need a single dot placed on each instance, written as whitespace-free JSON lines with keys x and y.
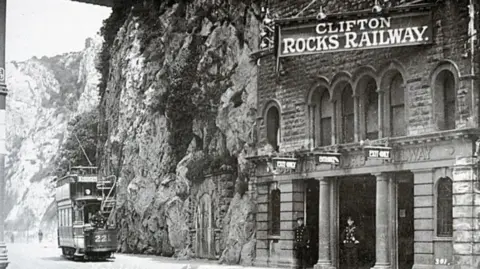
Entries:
{"x":312,"y":204}
{"x":405,"y":220}
{"x":357,"y":198}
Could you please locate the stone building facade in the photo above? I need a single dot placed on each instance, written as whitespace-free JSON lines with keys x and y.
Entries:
{"x":386,"y":134}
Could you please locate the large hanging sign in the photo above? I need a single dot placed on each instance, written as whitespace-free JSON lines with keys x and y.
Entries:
{"x":376,"y":31}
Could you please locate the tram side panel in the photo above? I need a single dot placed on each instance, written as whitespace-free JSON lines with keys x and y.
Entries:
{"x":65,"y":216}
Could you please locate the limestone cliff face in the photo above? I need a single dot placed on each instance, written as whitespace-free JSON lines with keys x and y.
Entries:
{"x":180,"y":104}
{"x":44,"y":94}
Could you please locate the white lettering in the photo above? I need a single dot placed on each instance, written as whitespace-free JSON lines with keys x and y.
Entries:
{"x":331,"y":28}
{"x":350,"y":24}
{"x":362,"y":24}
{"x":408,"y":35}
{"x":373,"y":24}
{"x":365,"y":40}
{"x":334,"y":44}
{"x":288,"y":44}
{"x":309,"y":41}
{"x":420,"y":33}
{"x":319,"y":31}
{"x":300,"y":46}
{"x":395,"y":35}
{"x":385,"y":22}
{"x":350,"y":40}
{"x":374,"y":35}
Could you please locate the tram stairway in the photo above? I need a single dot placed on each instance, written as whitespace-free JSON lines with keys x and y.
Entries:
{"x":107,"y":188}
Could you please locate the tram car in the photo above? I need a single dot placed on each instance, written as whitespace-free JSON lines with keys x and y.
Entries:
{"x":86,"y":225}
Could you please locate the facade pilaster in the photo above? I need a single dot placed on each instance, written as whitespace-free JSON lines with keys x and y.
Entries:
{"x":423,"y":190}
{"x":382,"y":246}
{"x":324,"y":231}
{"x":291,"y":207}
{"x":466,"y":214}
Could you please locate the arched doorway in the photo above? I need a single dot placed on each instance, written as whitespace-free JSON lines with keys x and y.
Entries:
{"x":205,"y":241}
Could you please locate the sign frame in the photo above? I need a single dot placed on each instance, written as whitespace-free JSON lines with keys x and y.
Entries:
{"x":368,"y":149}
{"x":288,"y":163}
{"x":328,"y":155}
{"x":424,"y":13}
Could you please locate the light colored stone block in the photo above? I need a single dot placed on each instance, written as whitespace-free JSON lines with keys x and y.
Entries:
{"x":462,"y":199}
{"x":423,"y":236}
{"x":423,"y":212}
{"x":262,"y":216}
{"x":423,"y":201}
{"x":462,"y":187}
{"x":463,"y":236}
{"x":463,"y":211}
{"x":423,"y":247}
{"x":462,"y":224}
{"x":423,"y":189}
{"x":462,"y":248}
{"x":423,"y":224}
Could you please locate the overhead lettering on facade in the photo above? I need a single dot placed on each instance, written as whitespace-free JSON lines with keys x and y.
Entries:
{"x":415,"y":154}
{"x":353,"y":161}
{"x":376,"y":32}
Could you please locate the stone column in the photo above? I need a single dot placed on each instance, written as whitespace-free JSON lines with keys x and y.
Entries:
{"x":3,"y":94}
{"x":380,"y":113}
{"x":324,"y":253}
{"x":356,"y":119}
{"x":382,"y":250}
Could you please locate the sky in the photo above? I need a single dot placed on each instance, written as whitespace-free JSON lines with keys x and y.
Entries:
{"x":50,"y":27}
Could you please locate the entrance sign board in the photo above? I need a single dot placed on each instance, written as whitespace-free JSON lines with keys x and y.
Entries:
{"x":288,"y":163}
{"x":378,"y":153}
{"x":329,"y":158}
{"x":376,"y":31}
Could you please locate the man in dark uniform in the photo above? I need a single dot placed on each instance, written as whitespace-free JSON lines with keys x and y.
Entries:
{"x":302,"y":242}
{"x":351,"y":240}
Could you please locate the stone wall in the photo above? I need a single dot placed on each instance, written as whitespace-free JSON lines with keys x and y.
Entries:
{"x":466,"y":214}
{"x":219,"y":188}
{"x":299,"y":74}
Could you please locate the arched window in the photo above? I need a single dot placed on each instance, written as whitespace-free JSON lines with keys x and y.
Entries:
{"x":321,"y":118}
{"x":371,"y":110}
{"x":445,"y":95}
{"x":274,"y":212}
{"x":398,"y":125}
{"x":273,"y":127}
{"x":348,"y":130}
{"x":444,"y":208}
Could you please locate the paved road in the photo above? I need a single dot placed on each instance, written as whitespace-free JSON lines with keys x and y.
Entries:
{"x":48,"y":256}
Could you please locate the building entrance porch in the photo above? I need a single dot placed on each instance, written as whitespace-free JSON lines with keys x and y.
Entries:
{"x":356,"y":199}
{"x":382,"y":206}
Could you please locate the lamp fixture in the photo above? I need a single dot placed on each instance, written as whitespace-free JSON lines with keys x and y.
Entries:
{"x":87,"y":191}
{"x":377,"y":8}
{"x":321,"y":15}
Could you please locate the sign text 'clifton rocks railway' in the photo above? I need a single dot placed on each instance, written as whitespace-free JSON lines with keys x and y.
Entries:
{"x":355,"y":34}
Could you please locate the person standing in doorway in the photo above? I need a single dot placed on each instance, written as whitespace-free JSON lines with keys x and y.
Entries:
{"x":40,"y":236}
{"x":302,"y":242}
{"x":351,"y":240}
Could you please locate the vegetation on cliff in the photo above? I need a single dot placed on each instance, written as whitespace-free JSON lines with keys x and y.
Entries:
{"x":80,"y":142}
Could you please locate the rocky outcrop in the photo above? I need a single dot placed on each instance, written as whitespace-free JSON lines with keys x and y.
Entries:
{"x":179,"y":102}
{"x":44,"y":94}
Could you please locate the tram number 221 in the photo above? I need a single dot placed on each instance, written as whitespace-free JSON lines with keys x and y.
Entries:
{"x":100,"y":238}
